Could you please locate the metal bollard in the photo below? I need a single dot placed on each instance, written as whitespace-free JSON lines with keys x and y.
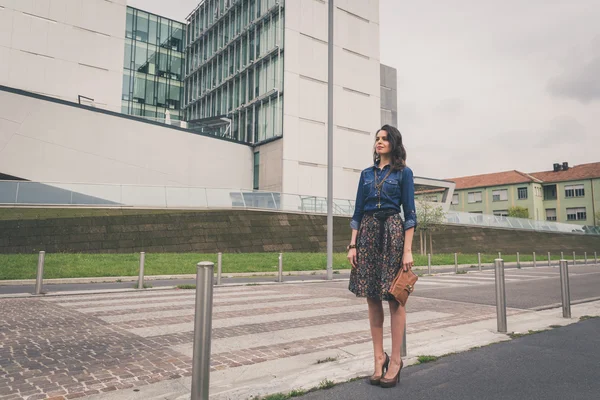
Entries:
{"x":564,"y":288}
{"x":585,"y":257}
{"x":562,"y":256}
{"x":39,"y":280}
{"x":534,"y":261}
{"x":595,"y":258}
{"x":280,"y":276}
{"x":219,"y":267}
{"x":456,"y":263}
{"x":141,"y":276}
{"x":574,"y":259}
{"x":429,"y":263}
{"x":549,"y":260}
{"x":479,"y":261}
{"x":403,"y":352}
{"x":202,"y":331}
{"x":500,"y":296}
{"x":518,"y":260}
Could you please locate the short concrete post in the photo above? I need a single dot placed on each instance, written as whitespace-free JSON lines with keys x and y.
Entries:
{"x":500,"y":296}
{"x":585,"y":257}
{"x":518,"y":260}
{"x":549,"y":260}
{"x":39,"y":280}
{"x":219,"y":267}
{"x":564,"y":288}
{"x":479,"y":261}
{"x":499,"y":255}
{"x":141,"y":276}
{"x":429,"y":263}
{"x":280,"y":276}
{"x":562,"y":255}
{"x":455,"y":263}
{"x":595,"y":258}
{"x":534,"y":260}
{"x":202,"y":331}
{"x":574,"y":259}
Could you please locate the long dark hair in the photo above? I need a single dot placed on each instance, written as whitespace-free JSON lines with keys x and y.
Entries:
{"x":398,"y":151}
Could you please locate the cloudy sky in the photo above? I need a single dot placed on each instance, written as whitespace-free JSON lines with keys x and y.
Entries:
{"x":487,"y":85}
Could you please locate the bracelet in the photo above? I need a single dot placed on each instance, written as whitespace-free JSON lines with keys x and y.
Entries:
{"x":351,"y":246}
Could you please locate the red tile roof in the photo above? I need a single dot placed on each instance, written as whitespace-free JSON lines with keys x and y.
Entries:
{"x":576,"y":173}
{"x":495,"y":179}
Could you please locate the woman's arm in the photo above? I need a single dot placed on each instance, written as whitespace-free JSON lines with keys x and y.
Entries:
{"x":356,"y":219}
{"x":410,"y":215}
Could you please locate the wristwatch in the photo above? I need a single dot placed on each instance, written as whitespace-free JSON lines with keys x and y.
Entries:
{"x":351,"y":246}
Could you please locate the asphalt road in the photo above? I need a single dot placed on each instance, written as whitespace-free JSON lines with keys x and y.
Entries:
{"x":562,"y":363}
{"x":584,"y":282}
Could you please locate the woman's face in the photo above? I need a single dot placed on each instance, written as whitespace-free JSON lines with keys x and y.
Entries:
{"x":382,"y":145}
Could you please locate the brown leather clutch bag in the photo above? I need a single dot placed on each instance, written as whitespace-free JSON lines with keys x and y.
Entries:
{"x":403,"y":285}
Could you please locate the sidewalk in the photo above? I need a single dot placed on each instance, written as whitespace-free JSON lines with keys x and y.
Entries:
{"x":301,"y":373}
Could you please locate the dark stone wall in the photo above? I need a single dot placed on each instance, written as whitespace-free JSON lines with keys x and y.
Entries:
{"x":247,"y":231}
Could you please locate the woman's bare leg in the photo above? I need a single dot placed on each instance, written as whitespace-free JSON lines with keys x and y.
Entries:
{"x":376,"y":321}
{"x":398,"y":317}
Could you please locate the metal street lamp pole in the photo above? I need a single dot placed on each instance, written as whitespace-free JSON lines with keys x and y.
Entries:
{"x":330,"y":146}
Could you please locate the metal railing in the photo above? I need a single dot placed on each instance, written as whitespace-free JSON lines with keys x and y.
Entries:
{"x":23,"y":193}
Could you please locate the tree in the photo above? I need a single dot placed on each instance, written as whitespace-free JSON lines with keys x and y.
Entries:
{"x":430,"y":218}
{"x":518,"y":212}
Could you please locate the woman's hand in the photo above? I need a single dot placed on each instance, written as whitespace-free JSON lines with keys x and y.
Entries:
{"x":352,"y":257}
{"x":407,"y":261}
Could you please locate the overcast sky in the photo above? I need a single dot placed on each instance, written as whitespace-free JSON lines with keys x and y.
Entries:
{"x":487,"y":85}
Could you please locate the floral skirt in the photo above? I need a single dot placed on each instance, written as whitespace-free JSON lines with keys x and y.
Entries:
{"x":377,"y":262}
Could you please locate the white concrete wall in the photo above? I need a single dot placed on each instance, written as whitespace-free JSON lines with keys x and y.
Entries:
{"x":356,"y":94}
{"x":269,"y":176}
{"x":50,"y":142}
{"x":64,"y":48}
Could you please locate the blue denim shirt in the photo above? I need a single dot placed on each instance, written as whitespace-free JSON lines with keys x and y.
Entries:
{"x":398,"y":190}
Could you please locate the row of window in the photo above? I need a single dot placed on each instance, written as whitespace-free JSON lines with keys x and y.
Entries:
{"x":573,"y":214}
{"x":158,"y":31}
{"x":232,"y":24}
{"x":522,"y":194}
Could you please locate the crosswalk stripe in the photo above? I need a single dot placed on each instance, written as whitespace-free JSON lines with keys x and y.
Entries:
{"x":139,"y":306}
{"x":186,"y":296}
{"x":240,"y":321}
{"x":137,"y":316}
{"x":306,"y":333}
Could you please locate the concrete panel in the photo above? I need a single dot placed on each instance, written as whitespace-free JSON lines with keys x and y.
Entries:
{"x":312,"y":142}
{"x":6,"y":27}
{"x":312,"y":98}
{"x":368,"y":9}
{"x":56,"y":142}
{"x":356,"y":71}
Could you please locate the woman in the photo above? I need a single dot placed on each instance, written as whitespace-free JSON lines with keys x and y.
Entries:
{"x":382,"y":244}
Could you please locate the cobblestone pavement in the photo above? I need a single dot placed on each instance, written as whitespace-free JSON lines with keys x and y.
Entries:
{"x":73,"y":346}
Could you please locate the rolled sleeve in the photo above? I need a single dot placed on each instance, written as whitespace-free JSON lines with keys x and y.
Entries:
{"x":408,"y":199}
{"x":358,"y":205}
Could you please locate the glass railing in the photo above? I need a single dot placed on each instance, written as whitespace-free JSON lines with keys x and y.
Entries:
{"x":17,"y":193}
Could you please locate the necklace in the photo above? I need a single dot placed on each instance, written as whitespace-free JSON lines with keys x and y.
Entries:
{"x":379,"y":185}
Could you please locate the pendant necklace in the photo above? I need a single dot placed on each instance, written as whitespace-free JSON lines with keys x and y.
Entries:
{"x":379,"y":185}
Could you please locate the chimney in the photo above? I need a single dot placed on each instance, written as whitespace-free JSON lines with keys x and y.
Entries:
{"x":565,"y":166}
{"x":556,"y":167}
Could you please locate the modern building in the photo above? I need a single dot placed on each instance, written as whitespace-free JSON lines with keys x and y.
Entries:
{"x":86,"y":86}
{"x":563,"y":194}
{"x":389,"y":96}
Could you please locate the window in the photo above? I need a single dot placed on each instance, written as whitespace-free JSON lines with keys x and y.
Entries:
{"x":500,"y":195}
{"x":256,"y":170}
{"x":433,"y":199}
{"x":550,"y":214}
{"x":455,"y":199}
{"x":550,"y":192}
{"x":522,"y":193}
{"x":574,"y":191}
{"x":576,"y":214}
{"x":501,"y":213}
{"x":475,"y":197}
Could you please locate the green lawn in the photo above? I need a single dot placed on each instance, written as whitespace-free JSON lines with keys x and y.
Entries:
{"x":64,"y":265}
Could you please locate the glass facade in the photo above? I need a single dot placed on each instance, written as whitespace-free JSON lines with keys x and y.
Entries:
{"x":153,"y":66}
{"x":234,"y":66}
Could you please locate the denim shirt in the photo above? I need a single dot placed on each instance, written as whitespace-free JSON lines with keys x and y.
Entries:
{"x":398,"y":190}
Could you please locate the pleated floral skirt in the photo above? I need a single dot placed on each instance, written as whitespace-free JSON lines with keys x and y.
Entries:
{"x":379,"y":257}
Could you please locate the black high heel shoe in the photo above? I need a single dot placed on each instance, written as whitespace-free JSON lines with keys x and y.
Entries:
{"x":374,"y":380}
{"x":389,"y":383}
